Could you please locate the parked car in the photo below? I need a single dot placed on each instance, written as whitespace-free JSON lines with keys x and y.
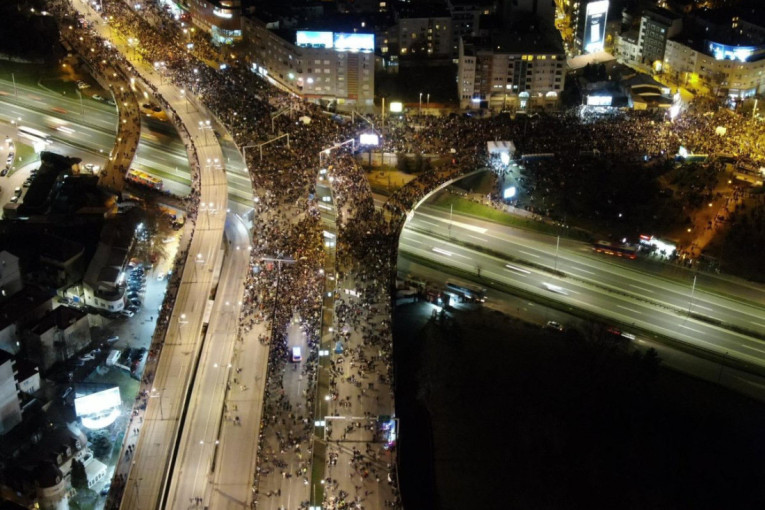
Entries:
{"x":4,"y":171}
{"x":554,"y":325}
{"x":127,"y":313}
{"x":97,"y":97}
{"x":82,"y":85}
{"x":135,"y":302}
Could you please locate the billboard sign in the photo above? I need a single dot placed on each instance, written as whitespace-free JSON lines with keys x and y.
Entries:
{"x":369,"y":139}
{"x":311,"y":39}
{"x":98,"y":402}
{"x":728,"y":52}
{"x":595,"y":26}
{"x":599,"y":100}
{"x":354,"y":42}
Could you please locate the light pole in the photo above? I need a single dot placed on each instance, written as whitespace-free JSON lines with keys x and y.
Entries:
{"x":420,"y":110}
{"x":693,"y":290}
{"x":557,"y":246}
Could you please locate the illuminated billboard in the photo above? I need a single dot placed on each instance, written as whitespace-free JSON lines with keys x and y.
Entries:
{"x":354,"y":42}
{"x":599,"y":100}
{"x":98,"y":402}
{"x":312,"y":39}
{"x":595,"y":26}
{"x":727,"y":52}
{"x":369,"y":139}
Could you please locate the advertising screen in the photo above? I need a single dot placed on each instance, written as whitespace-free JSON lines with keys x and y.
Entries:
{"x":314,"y":39}
{"x":595,"y":26}
{"x":599,"y":100}
{"x":726,"y":52}
{"x":98,"y":402}
{"x":369,"y":139}
{"x":354,"y":42}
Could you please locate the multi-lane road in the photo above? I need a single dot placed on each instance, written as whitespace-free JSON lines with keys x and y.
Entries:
{"x":90,"y":128}
{"x":618,"y":290}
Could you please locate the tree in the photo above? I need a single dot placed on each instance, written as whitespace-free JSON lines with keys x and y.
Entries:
{"x":102,"y":445}
{"x":79,"y":477}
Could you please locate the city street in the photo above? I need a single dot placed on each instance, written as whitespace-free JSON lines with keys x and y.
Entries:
{"x":627,"y":307}
{"x":729,"y":300}
{"x":91,"y":136}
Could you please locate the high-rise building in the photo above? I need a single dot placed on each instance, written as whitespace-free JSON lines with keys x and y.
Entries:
{"x":320,"y":66}
{"x":656,"y":26}
{"x":589,"y":18}
{"x":510,"y":71}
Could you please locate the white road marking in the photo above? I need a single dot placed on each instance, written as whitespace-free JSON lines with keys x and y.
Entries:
{"x":641,"y":288}
{"x":630,"y":309}
{"x":688,"y":327}
{"x":482,"y":239}
{"x":529,"y":254}
{"x":517,"y":269}
{"x":702,"y":307}
{"x":758,"y":324}
{"x":442,"y":252}
{"x":752,"y":348}
{"x":580,"y":269}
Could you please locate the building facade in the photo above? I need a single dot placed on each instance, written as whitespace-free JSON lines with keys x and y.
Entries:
{"x":326,"y":69}
{"x":425,"y":36}
{"x":656,"y":27}
{"x":10,"y":407}
{"x":497,"y":76}
{"x":10,"y":275}
{"x":716,"y":66}
{"x":222,"y":19}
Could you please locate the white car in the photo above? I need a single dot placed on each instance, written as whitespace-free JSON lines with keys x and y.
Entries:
{"x":82,"y":85}
{"x":161,"y":276}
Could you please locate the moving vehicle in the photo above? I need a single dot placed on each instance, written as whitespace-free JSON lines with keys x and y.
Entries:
{"x":618,"y":250}
{"x":554,"y":325}
{"x":467,"y":294}
{"x":297,"y":355}
{"x":139,"y":177}
{"x":34,"y":135}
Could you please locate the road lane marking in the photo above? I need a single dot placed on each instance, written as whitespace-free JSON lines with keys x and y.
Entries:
{"x":482,"y":239}
{"x":529,"y":254}
{"x":630,"y":309}
{"x":702,"y":307}
{"x":580,"y":269}
{"x":517,"y":269}
{"x":758,"y":324}
{"x":641,"y":288}
{"x":429,"y":223}
{"x":688,"y":327}
{"x":752,"y":348}
{"x":442,"y":252}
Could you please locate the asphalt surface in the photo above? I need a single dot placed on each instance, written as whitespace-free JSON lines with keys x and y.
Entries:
{"x":199,"y":448}
{"x":160,"y":152}
{"x":157,"y":450}
{"x":612,"y":288}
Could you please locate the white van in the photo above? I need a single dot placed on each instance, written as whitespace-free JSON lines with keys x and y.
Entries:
{"x":297,"y":356}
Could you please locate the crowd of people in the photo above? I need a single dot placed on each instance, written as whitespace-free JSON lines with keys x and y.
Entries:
{"x":289,"y":265}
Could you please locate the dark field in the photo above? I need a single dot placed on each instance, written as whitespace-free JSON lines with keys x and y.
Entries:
{"x":496,"y":413}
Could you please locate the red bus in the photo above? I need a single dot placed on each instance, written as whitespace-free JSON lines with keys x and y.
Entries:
{"x":617,"y":250}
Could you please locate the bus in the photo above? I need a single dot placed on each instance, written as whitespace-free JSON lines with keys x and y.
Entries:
{"x":617,"y":250}
{"x":467,"y":294}
{"x":34,"y":135}
{"x":139,"y":177}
